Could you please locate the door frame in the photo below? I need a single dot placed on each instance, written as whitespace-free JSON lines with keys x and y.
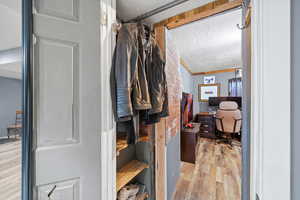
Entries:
{"x":27,"y":103}
{"x":108,"y":133}
{"x":270,"y":50}
{"x":270,"y":159}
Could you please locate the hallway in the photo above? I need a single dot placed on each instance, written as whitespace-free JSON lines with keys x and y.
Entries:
{"x":215,"y":176}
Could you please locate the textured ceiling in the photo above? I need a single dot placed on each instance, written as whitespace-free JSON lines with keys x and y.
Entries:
{"x":210,"y":44}
{"x":128,"y":9}
{"x":10,"y":24}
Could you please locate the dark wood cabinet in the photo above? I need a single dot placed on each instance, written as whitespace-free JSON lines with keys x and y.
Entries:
{"x":189,"y":142}
{"x":208,"y":124}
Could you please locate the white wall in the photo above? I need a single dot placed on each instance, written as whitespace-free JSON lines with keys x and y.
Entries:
{"x":187,"y":80}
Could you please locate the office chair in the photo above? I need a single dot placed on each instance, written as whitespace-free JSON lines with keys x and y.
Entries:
{"x":16,"y":128}
{"x":228,"y":120}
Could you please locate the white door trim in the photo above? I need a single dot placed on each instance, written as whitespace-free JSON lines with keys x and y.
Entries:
{"x":108,"y":127}
{"x":270,"y":112}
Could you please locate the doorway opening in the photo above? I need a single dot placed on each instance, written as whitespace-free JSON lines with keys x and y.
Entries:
{"x":11,"y":100}
{"x":212,"y":115}
{"x":210,"y":55}
{"x":211,"y":74}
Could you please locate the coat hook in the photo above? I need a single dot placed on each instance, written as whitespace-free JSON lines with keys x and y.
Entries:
{"x":51,"y":191}
{"x":245,"y":24}
{"x":116,"y":27}
{"x":241,"y":27}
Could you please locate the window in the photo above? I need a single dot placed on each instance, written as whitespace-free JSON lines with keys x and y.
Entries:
{"x":235,"y":87}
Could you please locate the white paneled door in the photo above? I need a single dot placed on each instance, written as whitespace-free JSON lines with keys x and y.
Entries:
{"x":66,"y":54}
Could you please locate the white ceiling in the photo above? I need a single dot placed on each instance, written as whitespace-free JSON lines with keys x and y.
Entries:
{"x":128,"y":9}
{"x":15,"y":5}
{"x":10,"y":36}
{"x":210,"y":44}
{"x":10,"y":23}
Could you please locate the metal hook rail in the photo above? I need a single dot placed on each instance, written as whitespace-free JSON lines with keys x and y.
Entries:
{"x":157,"y":10}
{"x":245,"y":21}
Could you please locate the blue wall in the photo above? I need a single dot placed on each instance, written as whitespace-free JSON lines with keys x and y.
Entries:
{"x":173,"y":146}
{"x":187,"y":80}
{"x":190,"y":85}
{"x":173,"y":164}
{"x":10,"y":101}
{"x":221,"y":78}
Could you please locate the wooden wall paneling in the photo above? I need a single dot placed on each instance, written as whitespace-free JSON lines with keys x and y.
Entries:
{"x":160,"y":160}
{"x":159,"y":134}
{"x":170,"y":126}
{"x":188,"y":69}
{"x":215,"y":71}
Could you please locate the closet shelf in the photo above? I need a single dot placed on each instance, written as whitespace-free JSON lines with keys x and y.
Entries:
{"x":128,"y":172}
{"x":144,"y":138}
{"x":142,"y":196}
{"x":121,"y":144}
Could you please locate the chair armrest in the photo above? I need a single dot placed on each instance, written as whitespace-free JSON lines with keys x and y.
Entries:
{"x":221,"y":121}
{"x":235,"y":122}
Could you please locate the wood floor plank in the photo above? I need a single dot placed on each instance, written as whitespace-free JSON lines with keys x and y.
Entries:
{"x":216,"y":174}
{"x":220,"y":194}
{"x":10,"y":169}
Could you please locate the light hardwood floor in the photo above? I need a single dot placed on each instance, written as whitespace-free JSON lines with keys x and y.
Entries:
{"x":10,"y":169}
{"x":215,"y":176}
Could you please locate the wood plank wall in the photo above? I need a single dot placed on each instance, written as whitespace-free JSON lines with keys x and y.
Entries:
{"x":170,"y":126}
{"x":159,"y":133}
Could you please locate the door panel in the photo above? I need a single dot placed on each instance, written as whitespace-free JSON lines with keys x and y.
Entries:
{"x":66,"y":9}
{"x":66,"y":53}
{"x":63,"y":190}
{"x":58,"y":80}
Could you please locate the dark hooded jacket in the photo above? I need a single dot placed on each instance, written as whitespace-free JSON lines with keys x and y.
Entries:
{"x":138,"y":76}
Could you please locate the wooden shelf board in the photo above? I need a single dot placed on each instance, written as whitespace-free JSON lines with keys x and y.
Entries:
{"x":142,"y":196}
{"x":121,"y":144}
{"x":144,"y":138}
{"x":128,"y":172}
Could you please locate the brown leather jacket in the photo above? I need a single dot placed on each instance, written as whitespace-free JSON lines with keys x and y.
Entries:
{"x":155,"y":69}
{"x":138,"y":72}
